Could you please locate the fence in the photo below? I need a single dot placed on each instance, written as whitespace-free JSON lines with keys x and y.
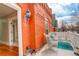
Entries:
{"x":71,"y":37}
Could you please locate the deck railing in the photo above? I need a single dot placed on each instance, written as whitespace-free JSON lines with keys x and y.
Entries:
{"x":71,"y":37}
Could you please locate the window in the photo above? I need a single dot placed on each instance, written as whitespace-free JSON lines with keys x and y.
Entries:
{"x":46,"y":26}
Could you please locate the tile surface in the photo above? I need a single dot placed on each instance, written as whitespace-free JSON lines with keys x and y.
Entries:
{"x":53,"y":51}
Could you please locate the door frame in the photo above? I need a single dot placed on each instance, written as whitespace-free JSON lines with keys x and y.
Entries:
{"x":18,"y":9}
{"x":11,"y":29}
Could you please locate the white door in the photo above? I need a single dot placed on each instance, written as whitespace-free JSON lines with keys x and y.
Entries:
{"x":13,"y":33}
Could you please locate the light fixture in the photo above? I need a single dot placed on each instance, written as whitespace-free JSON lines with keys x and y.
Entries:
{"x":27,"y":15}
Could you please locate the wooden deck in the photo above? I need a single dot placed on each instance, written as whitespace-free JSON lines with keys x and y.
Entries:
{"x":8,"y":51}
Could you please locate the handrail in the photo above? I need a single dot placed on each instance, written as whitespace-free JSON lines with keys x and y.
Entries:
{"x":69,"y":36}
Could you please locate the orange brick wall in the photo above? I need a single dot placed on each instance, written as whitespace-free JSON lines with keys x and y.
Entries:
{"x":40,"y":14}
{"x":28,"y":29}
{"x":33,"y":30}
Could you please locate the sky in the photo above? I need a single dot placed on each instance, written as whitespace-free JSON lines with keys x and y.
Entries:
{"x":65,"y":9}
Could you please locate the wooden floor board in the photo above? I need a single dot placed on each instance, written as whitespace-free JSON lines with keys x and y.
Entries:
{"x":8,"y":51}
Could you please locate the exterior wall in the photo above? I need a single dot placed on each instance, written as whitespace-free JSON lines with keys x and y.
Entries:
{"x":28,"y":28}
{"x":33,"y":30}
{"x":41,"y":12}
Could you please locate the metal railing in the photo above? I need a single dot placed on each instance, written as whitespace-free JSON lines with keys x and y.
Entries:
{"x":71,"y":37}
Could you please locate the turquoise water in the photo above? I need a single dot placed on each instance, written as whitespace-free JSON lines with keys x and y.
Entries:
{"x":64,"y":45}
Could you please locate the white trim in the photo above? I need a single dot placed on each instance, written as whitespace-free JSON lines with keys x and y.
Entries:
{"x":6,"y":43}
{"x":10,"y":29}
{"x":16,"y":7}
